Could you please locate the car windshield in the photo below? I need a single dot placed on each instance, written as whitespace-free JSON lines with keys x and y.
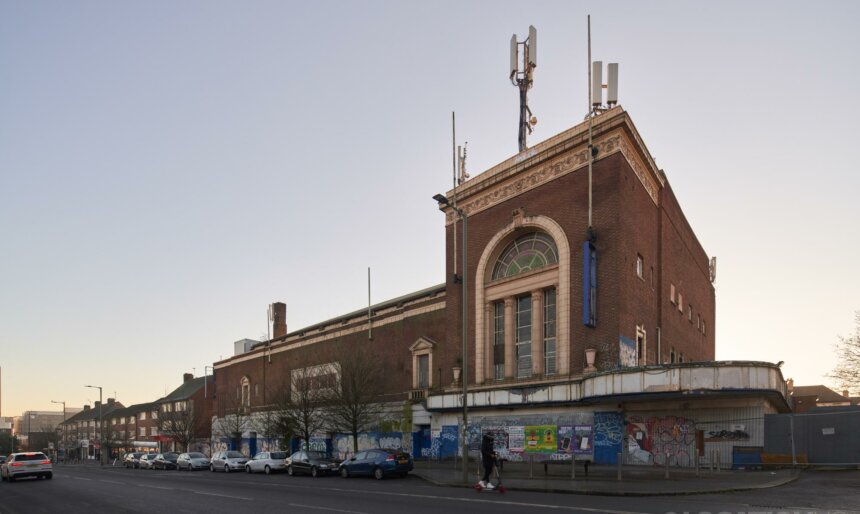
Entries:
{"x":279,"y":455}
{"x":196,"y":456}
{"x":316,"y":455}
{"x":234,"y":455}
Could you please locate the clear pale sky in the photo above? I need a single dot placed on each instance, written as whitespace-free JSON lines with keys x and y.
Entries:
{"x":168,"y":169}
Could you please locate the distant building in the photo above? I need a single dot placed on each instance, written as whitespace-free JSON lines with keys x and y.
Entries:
{"x":805,"y":398}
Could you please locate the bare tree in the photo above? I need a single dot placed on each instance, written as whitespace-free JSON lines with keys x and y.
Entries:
{"x":180,"y":422}
{"x":356,"y":405}
{"x":847,"y":371}
{"x":271,"y":422}
{"x":232,"y":419}
{"x":301,"y":403}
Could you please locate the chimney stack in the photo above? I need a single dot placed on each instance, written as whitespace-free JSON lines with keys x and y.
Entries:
{"x":86,"y":407}
{"x":186,"y":377}
{"x":111,"y":401}
{"x":279,"y":320}
{"x":845,"y":393}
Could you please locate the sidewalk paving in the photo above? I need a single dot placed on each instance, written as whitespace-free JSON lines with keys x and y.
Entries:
{"x":603,"y":480}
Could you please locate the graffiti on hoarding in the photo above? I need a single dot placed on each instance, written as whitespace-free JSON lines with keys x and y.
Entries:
{"x":656,"y":439}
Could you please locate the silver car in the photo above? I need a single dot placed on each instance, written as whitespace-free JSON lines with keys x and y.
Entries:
{"x":27,"y":464}
{"x":227,"y":461}
{"x":267,"y":462}
{"x":192,"y":461}
{"x":146,"y":461}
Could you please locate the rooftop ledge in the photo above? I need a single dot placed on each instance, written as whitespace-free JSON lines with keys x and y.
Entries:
{"x":654,"y":382}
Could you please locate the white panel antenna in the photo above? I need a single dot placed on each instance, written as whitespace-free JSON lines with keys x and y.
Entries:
{"x":597,"y":83}
{"x":514,"y":47}
{"x":612,"y":81}
{"x":532,"y":46}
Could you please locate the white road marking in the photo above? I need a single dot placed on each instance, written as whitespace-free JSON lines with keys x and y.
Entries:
{"x":468,"y":500}
{"x":223,"y":495}
{"x":112,"y":482}
{"x":155,"y":487}
{"x":325,"y":508}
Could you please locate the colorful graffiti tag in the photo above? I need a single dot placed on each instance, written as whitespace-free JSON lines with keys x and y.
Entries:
{"x":654,"y":439}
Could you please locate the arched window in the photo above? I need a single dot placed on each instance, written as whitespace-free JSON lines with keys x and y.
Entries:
{"x":529,"y":252}
{"x":525,"y":270}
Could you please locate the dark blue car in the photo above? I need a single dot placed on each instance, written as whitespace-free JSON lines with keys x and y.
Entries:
{"x":378,"y":463}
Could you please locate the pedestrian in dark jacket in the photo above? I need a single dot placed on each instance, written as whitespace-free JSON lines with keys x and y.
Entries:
{"x":488,"y":458}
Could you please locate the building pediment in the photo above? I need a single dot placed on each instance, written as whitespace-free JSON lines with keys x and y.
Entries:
{"x":423,"y":343}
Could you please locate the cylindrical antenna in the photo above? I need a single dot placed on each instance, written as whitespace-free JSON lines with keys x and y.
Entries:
{"x":369,"y":321}
{"x":612,"y":81}
{"x":596,"y":84}
{"x":454,"y":171}
{"x":590,"y":112}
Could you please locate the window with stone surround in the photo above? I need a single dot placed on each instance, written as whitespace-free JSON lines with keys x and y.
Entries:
{"x":529,"y":252}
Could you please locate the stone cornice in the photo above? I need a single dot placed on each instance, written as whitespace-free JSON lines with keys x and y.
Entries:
{"x":506,"y":186}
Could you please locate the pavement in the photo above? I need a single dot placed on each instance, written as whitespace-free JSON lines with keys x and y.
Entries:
{"x":603,"y":480}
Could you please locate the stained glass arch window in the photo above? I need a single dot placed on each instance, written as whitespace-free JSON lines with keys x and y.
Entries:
{"x":528,"y":252}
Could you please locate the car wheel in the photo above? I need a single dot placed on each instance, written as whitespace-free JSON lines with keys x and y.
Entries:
{"x":268,"y":470}
{"x":344,"y":472}
{"x":248,"y":469}
{"x":314,"y":471}
{"x":49,"y":476}
{"x":226,"y":468}
{"x":378,"y":474}
{"x":10,"y":478}
{"x":212,"y":468}
{"x":290,"y":471}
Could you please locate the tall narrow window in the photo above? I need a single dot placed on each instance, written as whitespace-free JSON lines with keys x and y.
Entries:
{"x":640,"y":267}
{"x":524,"y":336}
{"x":549,"y":331}
{"x":589,"y":289}
{"x":499,"y":340}
{"x":423,"y":371}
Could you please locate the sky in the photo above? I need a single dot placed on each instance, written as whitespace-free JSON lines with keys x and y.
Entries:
{"x":168,"y":169}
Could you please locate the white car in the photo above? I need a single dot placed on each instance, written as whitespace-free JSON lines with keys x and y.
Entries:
{"x":267,"y":462}
{"x":27,"y":464}
{"x":227,"y":461}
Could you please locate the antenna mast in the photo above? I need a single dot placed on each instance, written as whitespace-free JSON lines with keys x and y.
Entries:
{"x":523,"y":79}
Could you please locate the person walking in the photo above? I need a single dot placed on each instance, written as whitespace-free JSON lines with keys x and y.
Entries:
{"x":488,"y":458}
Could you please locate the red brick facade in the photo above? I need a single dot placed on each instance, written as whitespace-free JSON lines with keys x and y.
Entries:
{"x":636,"y":218}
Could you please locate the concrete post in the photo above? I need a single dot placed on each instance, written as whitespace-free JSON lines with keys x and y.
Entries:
{"x":619,"y":465}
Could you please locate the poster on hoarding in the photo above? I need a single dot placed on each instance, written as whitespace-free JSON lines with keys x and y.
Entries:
{"x":582,"y":439}
{"x":516,"y":439}
{"x":541,"y":439}
{"x":500,"y":437}
{"x":565,"y":438}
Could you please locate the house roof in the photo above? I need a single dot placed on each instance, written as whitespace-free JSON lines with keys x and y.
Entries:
{"x":93,"y":413}
{"x":822,"y":393}
{"x":185,"y":391}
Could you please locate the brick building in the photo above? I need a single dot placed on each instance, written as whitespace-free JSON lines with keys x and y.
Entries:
{"x":569,"y":325}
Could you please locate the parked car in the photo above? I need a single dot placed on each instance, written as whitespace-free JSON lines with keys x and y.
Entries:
{"x":227,"y":461}
{"x":192,"y":461}
{"x":313,"y":463}
{"x":131,"y":460}
{"x":378,"y":463}
{"x":27,"y":464}
{"x":2,"y":459}
{"x":165,"y":460}
{"x":146,"y":461}
{"x":267,"y":462}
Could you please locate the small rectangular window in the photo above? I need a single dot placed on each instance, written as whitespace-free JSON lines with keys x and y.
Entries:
{"x":680,"y":303}
{"x":640,"y":267}
{"x":671,"y":293}
{"x":690,"y":313}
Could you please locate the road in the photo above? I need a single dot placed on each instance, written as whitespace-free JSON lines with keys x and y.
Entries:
{"x":89,"y":489}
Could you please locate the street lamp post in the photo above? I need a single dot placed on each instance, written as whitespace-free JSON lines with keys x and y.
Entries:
{"x":465,"y":316}
{"x":65,"y":454}
{"x":101,"y":427}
